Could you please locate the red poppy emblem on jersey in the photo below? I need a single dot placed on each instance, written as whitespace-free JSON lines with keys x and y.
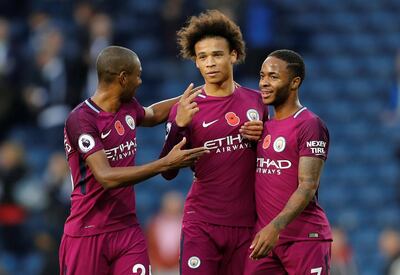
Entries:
{"x":119,"y":127}
{"x":266,"y":142}
{"x":232,"y":118}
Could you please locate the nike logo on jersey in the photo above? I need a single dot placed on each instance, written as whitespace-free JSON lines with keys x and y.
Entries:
{"x":206,"y":124}
{"x":104,"y":135}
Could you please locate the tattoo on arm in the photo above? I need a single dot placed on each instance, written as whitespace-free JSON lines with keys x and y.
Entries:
{"x":309,"y":174}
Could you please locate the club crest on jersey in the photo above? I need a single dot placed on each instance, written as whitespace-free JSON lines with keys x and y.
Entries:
{"x":252,"y":114}
{"x":232,"y":119}
{"x":119,"y":127}
{"x":279,"y":144}
{"x":130,"y":121}
{"x":86,"y":143}
{"x":266,"y":141}
{"x":194,"y":262}
{"x":167,"y":129}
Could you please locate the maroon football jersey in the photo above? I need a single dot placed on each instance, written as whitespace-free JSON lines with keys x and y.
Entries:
{"x":222,"y":192}
{"x":278,"y":153}
{"x":88,"y":129}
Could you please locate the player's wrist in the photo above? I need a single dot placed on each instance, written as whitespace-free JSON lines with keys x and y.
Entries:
{"x":278,"y":225}
{"x":164,"y":164}
{"x":180,"y":123}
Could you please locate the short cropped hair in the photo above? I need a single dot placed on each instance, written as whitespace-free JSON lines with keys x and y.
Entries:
{"x":294,"y":61}
{"x":113,"y":60}
{"x":211,"y":23}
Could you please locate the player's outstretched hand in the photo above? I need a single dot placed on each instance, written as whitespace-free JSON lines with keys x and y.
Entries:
{"x":252,"y":130}
{"x":178,"y":158}
{"x":264,"y":241}
{"x":186,"y":106}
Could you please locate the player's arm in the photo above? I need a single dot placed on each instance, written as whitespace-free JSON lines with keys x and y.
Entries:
{"x":175,"y":134}
{"x":185,"y":111}
{"x":310,"y":169}
{"x":158,"y":112}
{"x":115,"y":177}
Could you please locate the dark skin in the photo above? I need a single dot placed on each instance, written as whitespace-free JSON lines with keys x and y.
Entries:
{"x":280,"y":89}
{"x":109,"y":96}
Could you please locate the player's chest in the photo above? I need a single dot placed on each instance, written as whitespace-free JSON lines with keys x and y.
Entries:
{"x":118,"y":133}
{"x":220,"y":119}
{"x":278,"y":141}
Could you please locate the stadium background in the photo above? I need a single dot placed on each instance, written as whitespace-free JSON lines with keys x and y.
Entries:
{"x":47,"y":53}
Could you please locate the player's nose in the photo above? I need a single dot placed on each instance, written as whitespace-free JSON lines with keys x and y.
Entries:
{"x":263,"y":83}
{"x":210,"y":62}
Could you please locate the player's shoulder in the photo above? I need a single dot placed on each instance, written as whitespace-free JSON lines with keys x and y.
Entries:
{"x":248,"y":91}
{"x":132,"y":102}
{"x":307,"y":117}
{"x":131,"y":105}
{"x":248,"y":94}
{"x":85,"y":111}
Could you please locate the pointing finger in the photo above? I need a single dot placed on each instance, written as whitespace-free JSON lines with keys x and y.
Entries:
{"x":191,"y":97}
{"x":188,"y":91}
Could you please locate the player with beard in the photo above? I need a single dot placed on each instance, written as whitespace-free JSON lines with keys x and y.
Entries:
{"x":294,"y":236}
{"x":219,"y":212}
{"x":101,"y":234}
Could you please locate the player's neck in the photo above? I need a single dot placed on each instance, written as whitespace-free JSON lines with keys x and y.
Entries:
{"x":220,"y":90}
{"x":106,"y":101}
{"x":287,"y":109}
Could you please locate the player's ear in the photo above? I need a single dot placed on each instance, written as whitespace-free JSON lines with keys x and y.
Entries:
{"x":295,"y":82}
{"x":122,"y":78}
{"x":233,"y":56}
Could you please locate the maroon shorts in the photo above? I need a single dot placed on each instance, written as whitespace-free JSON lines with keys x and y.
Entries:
{"x":117,"y":252}
{"x":209,"y":249}
{"x":303,"y":257}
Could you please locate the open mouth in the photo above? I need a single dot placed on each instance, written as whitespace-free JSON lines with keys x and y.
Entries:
{"x":266,"y":93}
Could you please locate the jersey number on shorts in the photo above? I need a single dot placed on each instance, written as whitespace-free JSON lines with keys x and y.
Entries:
{"x":139,"y":267}
{"x":317,"y":270}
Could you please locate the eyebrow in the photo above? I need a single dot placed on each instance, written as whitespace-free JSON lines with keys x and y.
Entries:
{"x":218,"y":51}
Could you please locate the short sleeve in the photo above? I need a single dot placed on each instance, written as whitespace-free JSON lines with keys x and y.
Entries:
{"x":313,"y":139}
{"x":266,"y":112}
{"x":173,"y":135}
{"x":140,"y":111}
{"x":83,"y":135}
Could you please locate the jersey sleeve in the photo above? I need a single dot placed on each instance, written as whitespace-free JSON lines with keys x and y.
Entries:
{"x":266,"y":113}
{"x":140,"y":111}
{"x":313,"y":139}
{"x":174,"y":135}
{"x":82,"y":135}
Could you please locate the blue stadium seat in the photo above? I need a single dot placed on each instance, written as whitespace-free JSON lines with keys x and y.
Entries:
{"x":361,"y":43}
{"x":145,"y":47}
{"x":337,"y":22}
{"x":382,"y":21}
{"x":147,"y":7}
{"x":326,"y":44}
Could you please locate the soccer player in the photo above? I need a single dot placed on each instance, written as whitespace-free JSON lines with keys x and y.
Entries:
{"x":219,"y":212}
{"x":101,"y":234}
{"x":294,"y":236}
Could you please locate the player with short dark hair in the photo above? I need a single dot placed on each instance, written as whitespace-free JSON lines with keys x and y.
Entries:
{"x":102,"y":234}
{"x":219,"y":212}
{"x":294,"y":236}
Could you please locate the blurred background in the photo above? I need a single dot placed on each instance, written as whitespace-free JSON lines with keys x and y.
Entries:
{"x":47,"y":66}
